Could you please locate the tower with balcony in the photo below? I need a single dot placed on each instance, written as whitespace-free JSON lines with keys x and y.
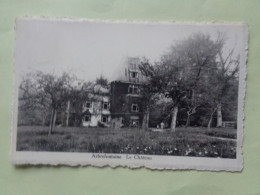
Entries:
{"x":126,"y":99}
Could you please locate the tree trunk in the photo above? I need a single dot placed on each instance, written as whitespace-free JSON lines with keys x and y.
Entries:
{"x":219,"y":116}
{"x":54,"y":120}
{"x":145,"y":124}
{"x":187,"y":121}
{"x":210,"y":120}
{"x":147,"y":118}
{"x":174,"y":118}
{"x":50,"y":128}
{"x":68,"y":114}
{"x":44,"y":118}
{"x":211,"y":117}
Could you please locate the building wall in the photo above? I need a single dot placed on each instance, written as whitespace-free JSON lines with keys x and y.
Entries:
{"x":121,"y":104}
{"x":96,"y":112}
{"x":121,"y":100}
{"x":95,"y":119}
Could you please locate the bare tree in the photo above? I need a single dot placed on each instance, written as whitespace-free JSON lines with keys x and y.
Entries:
{"x":221,"y":81}
{"x":227,"y":72}
{"x":31,"y":99}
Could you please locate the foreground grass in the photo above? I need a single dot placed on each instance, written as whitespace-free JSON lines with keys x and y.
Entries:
{"x":184,"y":142}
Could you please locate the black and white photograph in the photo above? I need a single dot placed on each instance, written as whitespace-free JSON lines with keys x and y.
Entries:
{"x":160,"y":95}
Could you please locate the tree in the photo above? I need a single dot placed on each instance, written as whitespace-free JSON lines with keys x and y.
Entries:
{"x":31,"y":101}
{"x":226,"y":75}
{"x":183,"y":66}
{"x":210,"y":95}
{"x":102,"y":81}
{"x":47,"y":90}
{"x":78,"y":95}
{"x":192,"y":103}
{"x":222,"y":82}
{"x":148,"y":89}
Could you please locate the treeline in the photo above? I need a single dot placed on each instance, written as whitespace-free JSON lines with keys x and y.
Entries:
{"x":198,"y":78}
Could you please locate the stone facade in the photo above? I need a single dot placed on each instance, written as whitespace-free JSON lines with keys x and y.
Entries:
{"x":96,"y":110}
{"x":126,"y":104}
{"x":126,"y":99}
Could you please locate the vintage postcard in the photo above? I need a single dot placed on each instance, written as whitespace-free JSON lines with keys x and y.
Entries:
{"x":160,"y":95}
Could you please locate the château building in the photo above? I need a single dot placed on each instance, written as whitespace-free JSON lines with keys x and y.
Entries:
{"x":126,"y":99}
{"x":96,"y":110}
{"x":120,"y":105}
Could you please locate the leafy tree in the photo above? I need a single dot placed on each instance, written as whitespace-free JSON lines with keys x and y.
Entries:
{"x":47,"y":90}
{"x":183,"y":67}
{"x":102,"y":81}
{"x":148,"y":89}
{"x":78,"y":95}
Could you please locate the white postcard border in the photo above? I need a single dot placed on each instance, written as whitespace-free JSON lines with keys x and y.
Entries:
{"x":136,"y":160}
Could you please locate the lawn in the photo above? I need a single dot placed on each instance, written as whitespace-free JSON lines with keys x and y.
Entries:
{"x":184,"y":142}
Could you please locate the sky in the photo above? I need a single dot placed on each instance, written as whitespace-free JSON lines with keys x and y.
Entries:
{"x":88,"y":49}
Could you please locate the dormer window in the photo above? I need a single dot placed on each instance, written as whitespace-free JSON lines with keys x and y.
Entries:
{"x":88,"y":104}
{"x":135,"y":108}
{"x":133,"y":74}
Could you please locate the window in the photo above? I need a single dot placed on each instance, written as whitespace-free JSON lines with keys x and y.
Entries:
{"x":87,"y":118}
{"x":135,"y":108}
{"x":133,"y":74}
{"x":88,"y":104}
{"x":104,"y":119}
{"x":133,"y":89}
{"x":105,"y":105}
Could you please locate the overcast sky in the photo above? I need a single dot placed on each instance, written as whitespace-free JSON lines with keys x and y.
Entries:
{"x":89,"y":49}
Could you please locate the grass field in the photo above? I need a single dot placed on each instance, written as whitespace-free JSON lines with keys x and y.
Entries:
{"x":184,"y":142}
